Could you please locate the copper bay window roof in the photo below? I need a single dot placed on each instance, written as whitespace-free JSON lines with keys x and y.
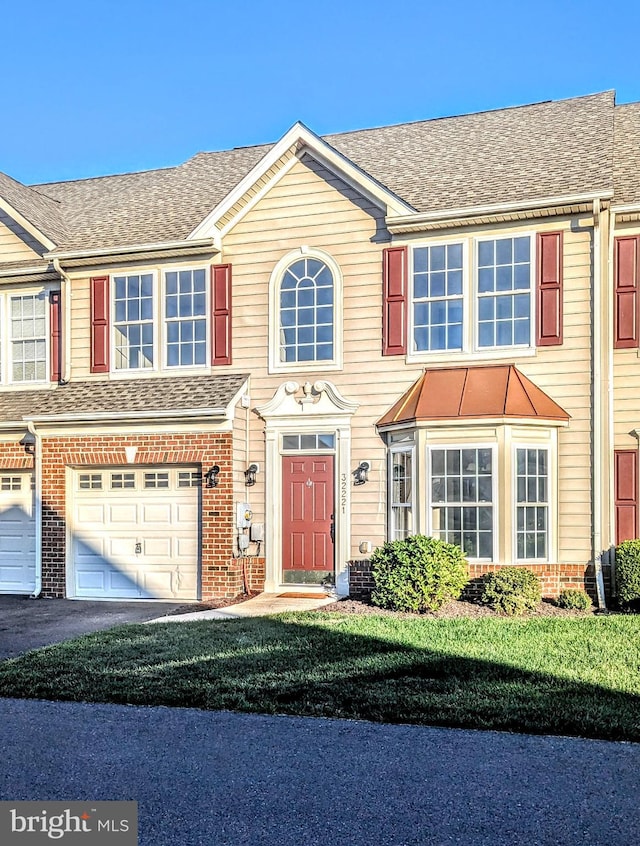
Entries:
{"x":453,"y":393}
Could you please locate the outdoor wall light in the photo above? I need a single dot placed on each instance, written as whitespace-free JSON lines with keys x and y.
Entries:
{"x":211,"y":477}
{"x":361,"y":473}
{"x":250,"y":475}
{"x":29,"y":444}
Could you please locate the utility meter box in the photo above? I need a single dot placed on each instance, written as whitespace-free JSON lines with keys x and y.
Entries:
{"x":257,"y":532}
{"x":243,"y":515}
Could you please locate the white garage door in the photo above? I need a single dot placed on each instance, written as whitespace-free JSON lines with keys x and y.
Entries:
{"x":17,"y":533}
{"x":135,"y":533}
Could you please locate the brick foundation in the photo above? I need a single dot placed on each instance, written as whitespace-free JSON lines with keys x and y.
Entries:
{"x":222,"y":575}
{"x":553,"y":577}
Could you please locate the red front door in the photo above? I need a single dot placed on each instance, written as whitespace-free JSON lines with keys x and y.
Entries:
{"x":307,"y":514}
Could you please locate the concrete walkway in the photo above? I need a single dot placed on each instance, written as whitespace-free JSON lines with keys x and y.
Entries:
{"x":259,"y":606}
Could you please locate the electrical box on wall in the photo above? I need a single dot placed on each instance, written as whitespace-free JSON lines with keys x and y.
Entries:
{"x":256,"y":532}
{"x":243,"y":515}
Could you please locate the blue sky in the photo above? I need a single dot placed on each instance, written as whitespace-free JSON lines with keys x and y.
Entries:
{"x":104,"y":86}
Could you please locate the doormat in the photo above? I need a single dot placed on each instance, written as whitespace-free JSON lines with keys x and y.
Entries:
{"x":302,"y":596}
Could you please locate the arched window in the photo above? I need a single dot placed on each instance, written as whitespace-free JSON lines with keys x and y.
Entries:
{"x":306,"y":312}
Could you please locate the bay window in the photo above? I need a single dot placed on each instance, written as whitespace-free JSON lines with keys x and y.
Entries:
{"x":461,"y":498}
{"x":532,"y":503}
{"x":402,"y":481}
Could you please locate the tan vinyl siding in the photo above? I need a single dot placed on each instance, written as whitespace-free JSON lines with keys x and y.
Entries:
{"x":310,"y":207}
{"x":626,"y":377}
{"x":307,"y":206}
{"x":16,"y":244}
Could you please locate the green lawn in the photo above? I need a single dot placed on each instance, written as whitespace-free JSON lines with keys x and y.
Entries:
{"x":576,"y":676}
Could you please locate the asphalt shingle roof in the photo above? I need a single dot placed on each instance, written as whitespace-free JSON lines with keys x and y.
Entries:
{"x":42,"y":211}
{"x":626,"y":162}
{"x":549,"y":149}
{"x":121,"y":396}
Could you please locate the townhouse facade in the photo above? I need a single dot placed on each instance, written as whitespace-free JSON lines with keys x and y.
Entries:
{"x":248,"y":371}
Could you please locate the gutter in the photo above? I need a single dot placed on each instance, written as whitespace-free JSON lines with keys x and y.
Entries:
{"x":496,"y":208}
{"x":610,"y":400}
{"x":65,"y":373}
{"x":131,"y":248}
{"x":148,"y":414}
{"x":37,"y":471}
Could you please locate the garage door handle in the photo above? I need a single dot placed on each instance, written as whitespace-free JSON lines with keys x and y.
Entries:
{"x":138,"y":548}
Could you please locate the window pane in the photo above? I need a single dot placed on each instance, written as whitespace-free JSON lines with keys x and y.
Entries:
{"x":306,"y":297}
{"x":133,"y":325}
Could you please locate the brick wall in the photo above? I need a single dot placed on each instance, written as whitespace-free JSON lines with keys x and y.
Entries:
{"x":221,"y":574}
{"x":554,"y":578}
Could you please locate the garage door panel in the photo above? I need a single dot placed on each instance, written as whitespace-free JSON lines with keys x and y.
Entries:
{"x":122,"y":514}
{"x":17,"y":533}
{"x":158,"y":513}
{"x":186,"y":547}
{"x":124,"y":582}
{"x":160,"y":548}
{"x":161,"y":523}
{"x":89,"y":516}
{"x":186,"y":513}
{"x":91,"y":579}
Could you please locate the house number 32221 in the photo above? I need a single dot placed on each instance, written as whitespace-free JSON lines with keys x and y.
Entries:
{"x":343,"y":493}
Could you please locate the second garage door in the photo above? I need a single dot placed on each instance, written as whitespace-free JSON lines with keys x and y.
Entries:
{"x":135,"y":533}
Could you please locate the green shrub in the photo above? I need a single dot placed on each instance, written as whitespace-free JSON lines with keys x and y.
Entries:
{"x":417,"y":574}
{"x":573,"y":600}
{"x":511,"y":590}
{"x":628,"y":573}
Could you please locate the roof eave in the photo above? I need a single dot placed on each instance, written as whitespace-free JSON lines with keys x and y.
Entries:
{"x":489,"y":213}
{"x":27,"y":225}
{"x":156,"y":246}
{"x":477,"y":420}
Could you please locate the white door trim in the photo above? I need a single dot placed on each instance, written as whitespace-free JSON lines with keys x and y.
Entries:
{"x":320,"y":409}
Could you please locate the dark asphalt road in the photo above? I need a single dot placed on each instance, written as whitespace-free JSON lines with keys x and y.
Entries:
{"x":225,"y":779}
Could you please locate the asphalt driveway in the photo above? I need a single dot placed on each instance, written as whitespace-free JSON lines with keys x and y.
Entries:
{"x":32,"y":623}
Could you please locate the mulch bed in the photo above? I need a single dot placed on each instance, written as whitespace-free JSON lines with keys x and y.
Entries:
{"x":457,"y":608}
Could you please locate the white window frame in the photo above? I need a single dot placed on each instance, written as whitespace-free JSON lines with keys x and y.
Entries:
{"x":550,"y":504}
{"x":6,"y":346}
{"x":495,"y":489}
{"x":164,"y":319}
{"x":532,"y":294}
{"x":275,"y":364}
{"x":406,"y":447}
{"x":159,"y":322}
{"x":470,"y":305}
{"x":466,"y":324}
{"x":154,"y":322}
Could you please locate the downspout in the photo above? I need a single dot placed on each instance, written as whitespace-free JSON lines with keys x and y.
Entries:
{"x":611,"y":397}
{"x":37,"y":470}
{"x":65,"y":290}
{"x":597,"y":409}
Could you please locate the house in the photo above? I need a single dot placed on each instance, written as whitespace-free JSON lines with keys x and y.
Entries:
{"x":249,"y":370}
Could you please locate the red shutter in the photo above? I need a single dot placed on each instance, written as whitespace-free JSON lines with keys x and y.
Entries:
{"x":394,"y":301}
{"x":549,"y":289}
{"x":221,"y":313}
{"x":626,"y":255}
{"x":55,"y":350}
{"x":100,"y":324}
{"x":626,"y":494}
